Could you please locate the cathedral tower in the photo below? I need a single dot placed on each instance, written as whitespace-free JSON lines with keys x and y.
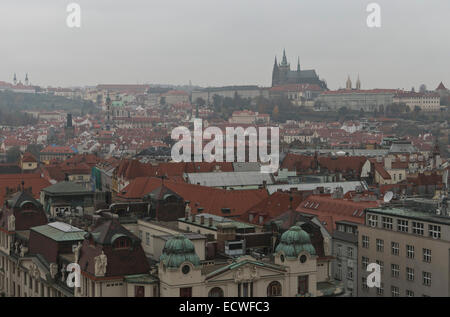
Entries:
{"x":358,"y":84}
{"x":348,"y":85}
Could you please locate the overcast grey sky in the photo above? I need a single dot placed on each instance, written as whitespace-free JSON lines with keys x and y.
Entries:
{"x":225,"y":42}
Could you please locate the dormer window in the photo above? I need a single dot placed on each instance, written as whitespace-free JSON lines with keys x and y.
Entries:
{"x":122,"y":243}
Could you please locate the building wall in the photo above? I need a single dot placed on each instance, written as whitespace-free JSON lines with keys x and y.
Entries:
{"x":439,"y":266}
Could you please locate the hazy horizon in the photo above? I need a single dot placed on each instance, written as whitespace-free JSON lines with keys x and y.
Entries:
{"x":219,"y":43}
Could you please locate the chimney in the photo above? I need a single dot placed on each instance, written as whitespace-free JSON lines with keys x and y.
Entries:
{"x":210,"y":220}
{"x":202,"y":220}
{"x":264,"y":184}
{"x":193,"y":218}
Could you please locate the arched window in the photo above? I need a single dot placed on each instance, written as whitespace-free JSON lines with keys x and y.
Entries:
{"x":274,"y":289}
{"x":215,"y":292}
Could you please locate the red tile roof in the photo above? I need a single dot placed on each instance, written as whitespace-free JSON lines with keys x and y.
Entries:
{"x":330,"y":210}
{"x":380,"y":170}
{"x":297,"y":162}
{"x":272,"y":207}
{"x":35,"y":181}
{"x":441,"y":87}
{"x":29,"y":158}
{"x":58,"y":149}
{"x":212,"y":200}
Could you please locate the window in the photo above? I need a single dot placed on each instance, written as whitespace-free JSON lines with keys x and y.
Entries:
{"x":387,"y":222}
{"x":434,"y":231}
{"x":418,"y":228}
{"x":122,"y":243}
{"x":409,"y":293}
{"x":373,"y":220}
{"x":364,"y":283}
{"x":410,"y":274}
{"x":410,"y":251}
{"x":395,"y":270}
{"x":426,"y":278}
{"x":427,"y":255}
{"x":274,"y":289}
{"x":402,"y":225}
{"x":186,"y":269}
{"x":365,"y":242}
{"x":381,"y":264}
{"x":140,"y":234}
{"x":395,"y":291}
{"x":350,"y":252}
{"x":341,"y":228}
{"x":338,"y":274}
{"x":380,"y":245}
{"x":395,"y":248}
{"x":139,"y":291}
{"x":380,"y":290}
{"x":218,"y":292}
{"x":349,"y":273}
{"x":365,"y":262}
{"x":186,"y":291}
{"x":147,"y":238}
{"x":245,"y":289}
{"x":338,"y":251}
{"x":303,"y":284}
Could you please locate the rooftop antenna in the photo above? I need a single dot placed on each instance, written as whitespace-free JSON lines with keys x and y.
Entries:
{"x":388,"y":197}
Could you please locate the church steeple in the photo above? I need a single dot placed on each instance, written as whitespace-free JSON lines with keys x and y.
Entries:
{"x":348,"y":85}
{"x":298,"y":64}
{"x":15,"y":79}
{"x":275,"y":73}
{"x":26,"y":79}
{"x":358,"y":84}
{"x":284,"y":61}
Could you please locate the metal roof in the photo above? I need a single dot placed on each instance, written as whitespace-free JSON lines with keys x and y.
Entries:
{"x":66,"y":188}
{"x":346,"y":186}
{"x":412,"y":214}
{"x":216,"y":220}
{"x":229,"y":178}
{"x":60,"y":231}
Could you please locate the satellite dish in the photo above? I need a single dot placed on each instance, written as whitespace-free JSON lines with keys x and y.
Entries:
{"x":388,"y":197}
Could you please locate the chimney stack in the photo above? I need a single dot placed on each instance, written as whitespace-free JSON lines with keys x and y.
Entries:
{"x":202,"y":220}
{"x":210,"y":219}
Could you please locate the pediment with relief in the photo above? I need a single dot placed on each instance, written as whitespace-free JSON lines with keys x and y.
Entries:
{"x":245,"y":273}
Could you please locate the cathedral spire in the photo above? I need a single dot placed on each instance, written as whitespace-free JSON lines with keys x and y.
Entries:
{"x":284,"y":61}
{"x":348,"y":85}
{"x":358,"y":84}
{"x":298,"y":65}
{"x":26,"y":79}
{"x":15,"y":79}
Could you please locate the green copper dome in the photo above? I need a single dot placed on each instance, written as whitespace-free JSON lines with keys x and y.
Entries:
{"x":177,"y":250}
{"x":294,"y":241}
